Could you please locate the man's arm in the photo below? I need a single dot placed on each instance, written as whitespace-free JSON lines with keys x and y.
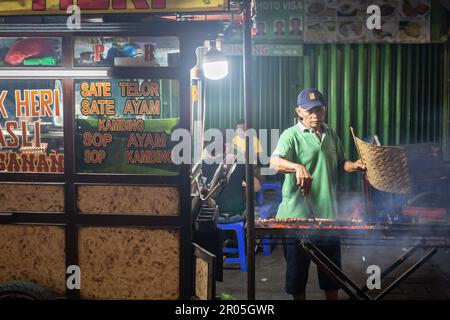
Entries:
{"x":350,"y":166}
{"x":282,"y":165}
{"x":347,"y":165}
{"x":304,"y":179}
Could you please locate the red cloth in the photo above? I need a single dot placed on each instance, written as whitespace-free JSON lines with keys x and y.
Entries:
{"x":430,"y":213}
{"x":28,"y":48}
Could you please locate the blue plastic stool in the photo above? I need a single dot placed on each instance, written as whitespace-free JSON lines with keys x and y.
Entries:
{"x":264,"y":213}
{"x":238,"y":227}
{"x":269,"y":185}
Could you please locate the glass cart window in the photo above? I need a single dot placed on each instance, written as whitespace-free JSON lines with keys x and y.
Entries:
{"x":31,"y":126}
{"x":30,"y":52}
{"x":126,"y":51}
{"x":124,"y":126}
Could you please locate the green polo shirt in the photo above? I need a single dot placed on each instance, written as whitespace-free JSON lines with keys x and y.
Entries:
{"x":322,"y":158}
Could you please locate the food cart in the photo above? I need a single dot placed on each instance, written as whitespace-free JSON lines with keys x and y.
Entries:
{"x":91,"y":204}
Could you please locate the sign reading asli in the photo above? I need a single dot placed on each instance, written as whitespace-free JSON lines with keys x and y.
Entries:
{"x":24,"y":7}
{"x":19,"y":132}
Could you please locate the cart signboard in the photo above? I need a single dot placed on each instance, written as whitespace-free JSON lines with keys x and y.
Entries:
{"x":48,"y":7}
{"x":124,"y":126}
{"x":31,"y":126}
{"x":342,"y":21}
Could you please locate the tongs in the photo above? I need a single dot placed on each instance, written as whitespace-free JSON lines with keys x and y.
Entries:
{"x":310,"y":208}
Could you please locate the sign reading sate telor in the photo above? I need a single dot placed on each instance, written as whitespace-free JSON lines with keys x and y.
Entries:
{"x":28,"y":7}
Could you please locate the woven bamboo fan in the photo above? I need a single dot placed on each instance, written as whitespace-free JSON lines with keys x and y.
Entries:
{"x":387,"y":167}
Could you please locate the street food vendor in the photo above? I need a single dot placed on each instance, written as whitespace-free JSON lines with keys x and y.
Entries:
{"x":311,"y":155}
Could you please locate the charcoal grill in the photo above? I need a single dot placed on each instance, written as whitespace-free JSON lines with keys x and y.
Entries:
{"x":427,"y":236}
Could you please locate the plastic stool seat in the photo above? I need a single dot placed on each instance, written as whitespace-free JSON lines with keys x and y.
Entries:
{"x":264,"y":211}
{"x":269,"y":185}
{"x":238,"y":227}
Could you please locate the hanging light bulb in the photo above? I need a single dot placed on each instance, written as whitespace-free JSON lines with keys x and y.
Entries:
{"x":215,"y":63}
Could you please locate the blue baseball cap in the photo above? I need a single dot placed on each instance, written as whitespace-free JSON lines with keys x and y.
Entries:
{"x":310,"y":98}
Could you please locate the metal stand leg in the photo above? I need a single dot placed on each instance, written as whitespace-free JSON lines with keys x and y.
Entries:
{"x":396,"y":263}
{"x":408,"y":272}
{"x":350,"y":287}
{"x":326,"y":265}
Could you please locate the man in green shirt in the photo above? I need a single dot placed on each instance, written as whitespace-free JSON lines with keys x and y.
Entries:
{"x":310,"y":154}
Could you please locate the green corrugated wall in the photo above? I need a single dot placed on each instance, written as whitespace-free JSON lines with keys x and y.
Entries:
{"x":398,"y":91}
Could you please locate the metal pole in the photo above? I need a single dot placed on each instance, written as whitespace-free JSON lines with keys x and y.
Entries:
{"x":247,"y":60}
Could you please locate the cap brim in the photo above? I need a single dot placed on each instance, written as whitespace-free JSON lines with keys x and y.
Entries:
{"x":312,"y":104}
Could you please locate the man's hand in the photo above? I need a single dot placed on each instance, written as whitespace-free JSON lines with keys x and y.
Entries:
{"x":359,"y":165}
{"x":304,"y":180}
{"x":350,"y":166}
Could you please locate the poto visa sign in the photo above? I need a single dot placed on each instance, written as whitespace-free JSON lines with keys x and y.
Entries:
{"x":22,"y":7}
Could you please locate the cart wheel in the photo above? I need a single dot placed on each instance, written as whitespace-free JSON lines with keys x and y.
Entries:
{"x":24,"y":290}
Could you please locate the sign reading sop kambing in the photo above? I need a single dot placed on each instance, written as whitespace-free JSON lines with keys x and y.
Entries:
{"x":31,"y":120}
{"x":124,"y":126}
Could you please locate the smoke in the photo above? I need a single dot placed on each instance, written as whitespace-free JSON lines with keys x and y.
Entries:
{"x":350,"y":206}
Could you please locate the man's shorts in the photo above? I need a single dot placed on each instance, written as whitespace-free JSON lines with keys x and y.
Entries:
{"x":297,"y":263}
